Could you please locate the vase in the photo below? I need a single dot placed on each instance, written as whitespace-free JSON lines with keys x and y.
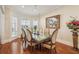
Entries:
{"x":75,"y":39}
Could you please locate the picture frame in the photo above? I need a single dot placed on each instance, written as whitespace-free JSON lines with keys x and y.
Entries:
{"x":53,"y":22}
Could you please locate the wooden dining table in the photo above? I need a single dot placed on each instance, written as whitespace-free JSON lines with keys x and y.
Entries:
{"x":40,"y":38}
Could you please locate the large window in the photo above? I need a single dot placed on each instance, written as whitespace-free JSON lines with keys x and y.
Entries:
{"x":35,"y":25}
{"x":26,"y":23}
{"x":31,"y":24}
{"x":14,"y":26}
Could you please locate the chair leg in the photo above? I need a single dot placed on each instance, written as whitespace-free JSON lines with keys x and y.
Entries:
{"x":25,"y":44}
{"x":55,"y":50}
{"x":51,"y":49}
{"x":31,"y":49}
{"x":40,"y":46}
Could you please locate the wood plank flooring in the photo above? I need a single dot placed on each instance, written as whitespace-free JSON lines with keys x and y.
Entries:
{"x":16,"y":47}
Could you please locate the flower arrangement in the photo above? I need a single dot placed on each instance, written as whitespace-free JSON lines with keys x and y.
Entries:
{"x":73,"y":24}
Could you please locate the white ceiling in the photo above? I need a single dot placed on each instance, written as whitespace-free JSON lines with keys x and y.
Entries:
{"x":35,"y":10}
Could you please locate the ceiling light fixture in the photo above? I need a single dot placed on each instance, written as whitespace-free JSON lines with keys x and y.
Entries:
{"x":22,"y":6}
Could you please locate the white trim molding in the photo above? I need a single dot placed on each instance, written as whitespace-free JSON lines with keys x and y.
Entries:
{"x":65,"y":42}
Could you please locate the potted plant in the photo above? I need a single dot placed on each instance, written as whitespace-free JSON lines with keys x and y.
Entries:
{"x":74,"y":26}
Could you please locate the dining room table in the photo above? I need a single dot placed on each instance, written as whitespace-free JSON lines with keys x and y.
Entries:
{"x":40,"y":38}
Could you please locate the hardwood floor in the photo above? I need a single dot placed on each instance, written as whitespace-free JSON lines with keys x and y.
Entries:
{"x":16,"y":47}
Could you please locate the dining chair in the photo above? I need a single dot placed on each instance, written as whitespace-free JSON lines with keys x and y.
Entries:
{"x":23,"y":38}
{"x":51,"y":43}
{"x":28,"y":39}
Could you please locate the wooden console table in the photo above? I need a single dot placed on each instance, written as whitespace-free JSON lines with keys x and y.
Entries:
{"x":75,"y":40}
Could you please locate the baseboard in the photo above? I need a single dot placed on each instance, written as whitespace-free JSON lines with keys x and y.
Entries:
{"x":65,"y":42}
{"x":10,"y":40}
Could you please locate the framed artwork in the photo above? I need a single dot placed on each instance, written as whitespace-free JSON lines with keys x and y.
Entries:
{"x":53,"y":22}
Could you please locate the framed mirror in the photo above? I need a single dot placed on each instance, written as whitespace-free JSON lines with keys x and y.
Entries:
{"x":53,"y":22}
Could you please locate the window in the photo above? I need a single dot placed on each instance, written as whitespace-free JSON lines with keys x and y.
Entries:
{"x":14,"y":26}
{"x":25,"y":22}
{"x":35,"y":25}
{"x":31,"y":24}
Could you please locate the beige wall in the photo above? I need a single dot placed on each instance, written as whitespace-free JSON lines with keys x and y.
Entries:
{"x":64,"y":35}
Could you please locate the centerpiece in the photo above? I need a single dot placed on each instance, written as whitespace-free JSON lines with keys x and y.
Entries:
{"x":74,"y":25}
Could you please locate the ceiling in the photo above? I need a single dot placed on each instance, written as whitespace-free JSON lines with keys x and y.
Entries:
{"x":35,"y":10}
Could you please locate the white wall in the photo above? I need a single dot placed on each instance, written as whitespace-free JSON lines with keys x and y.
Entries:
{"x":6,"y":24}
{"x":0,"y":25}
{"x":64,"y":35}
